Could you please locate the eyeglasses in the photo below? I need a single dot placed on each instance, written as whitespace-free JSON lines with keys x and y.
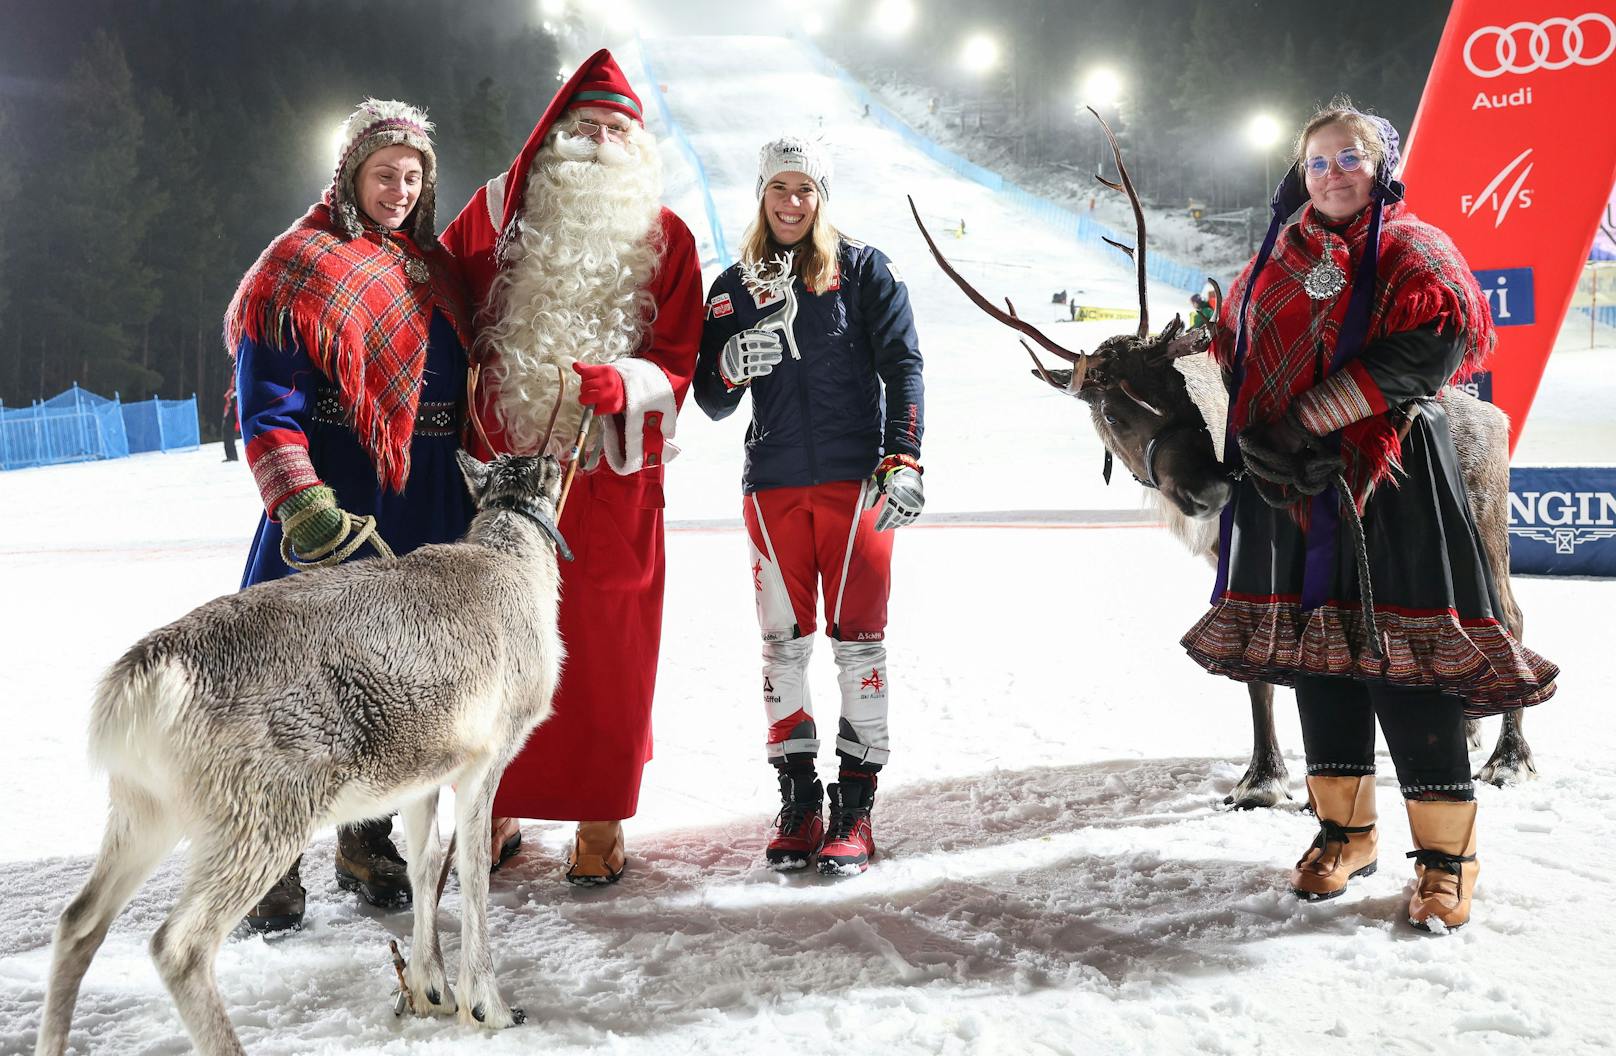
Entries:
{"x":591,"y":129}
{"x":1348,"y":159}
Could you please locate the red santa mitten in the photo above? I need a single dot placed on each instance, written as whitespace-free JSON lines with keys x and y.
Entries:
{"x":601,"y":387}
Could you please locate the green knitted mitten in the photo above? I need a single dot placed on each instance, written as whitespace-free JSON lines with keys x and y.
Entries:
{"x":312,"y":521}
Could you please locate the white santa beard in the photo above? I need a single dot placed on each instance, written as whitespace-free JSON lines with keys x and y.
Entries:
{"x":575,"y":287}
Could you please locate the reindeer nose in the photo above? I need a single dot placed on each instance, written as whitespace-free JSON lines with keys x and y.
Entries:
{"x":1212,"y":497}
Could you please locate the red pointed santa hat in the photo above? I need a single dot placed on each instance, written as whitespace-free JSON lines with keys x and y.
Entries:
{"x":597,"y":82}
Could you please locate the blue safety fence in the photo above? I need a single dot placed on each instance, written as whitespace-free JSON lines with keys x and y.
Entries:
{"x":161,"y":425}
{"x":1604,"y":315}
{"x":679,"y":137}
{"x":80,"y":426}
{"x":1076,"y":226}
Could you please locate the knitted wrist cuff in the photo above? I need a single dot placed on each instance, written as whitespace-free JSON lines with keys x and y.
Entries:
{"x":317,"y":495}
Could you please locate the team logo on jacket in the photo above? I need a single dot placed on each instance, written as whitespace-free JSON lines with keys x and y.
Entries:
{"x":720,"y":306}
{"x":763,"y":296}
{"x":894,"y":269}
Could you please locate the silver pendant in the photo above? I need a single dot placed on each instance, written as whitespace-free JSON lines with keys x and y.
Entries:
{"x":1324,"y":281}
{"x":415,"y":268}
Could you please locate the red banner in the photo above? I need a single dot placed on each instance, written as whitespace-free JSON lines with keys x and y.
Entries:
{"x":1513,"y":153}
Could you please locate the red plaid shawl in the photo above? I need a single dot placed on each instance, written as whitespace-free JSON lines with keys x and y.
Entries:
{"x":1420,"y":279}
{"x":362,"y":321}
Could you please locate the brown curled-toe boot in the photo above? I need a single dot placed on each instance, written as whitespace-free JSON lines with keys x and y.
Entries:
{"x":597,"y":854}
{"x":1445,"y":866}
{"x":1346,"y":844}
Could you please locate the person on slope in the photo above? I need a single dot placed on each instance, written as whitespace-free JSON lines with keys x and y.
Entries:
{"x":817,"y":327}
{"x":1338,"y":336}
{"x":574,"y":263}
{"x":349,"y":336}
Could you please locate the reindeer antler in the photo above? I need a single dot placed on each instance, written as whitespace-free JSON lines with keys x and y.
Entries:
{"x":1137,"y":253}
{"x":1078,"y":360}
{"x":561,"y":392}
{"x":1175,"y":345}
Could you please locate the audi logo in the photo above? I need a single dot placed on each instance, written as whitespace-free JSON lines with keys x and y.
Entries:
{"x":1539,"y":41}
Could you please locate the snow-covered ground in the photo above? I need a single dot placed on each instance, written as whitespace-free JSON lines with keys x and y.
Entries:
{"x":1056,"y":874}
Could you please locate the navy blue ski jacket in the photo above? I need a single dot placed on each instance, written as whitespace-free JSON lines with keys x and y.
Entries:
{"x":853,"y":397}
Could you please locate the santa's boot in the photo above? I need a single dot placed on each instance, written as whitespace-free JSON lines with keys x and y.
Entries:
{"x":849,"y":838}
{"x":281,"y":908}
{"x":1445,"y":866}
{"x":505,"y":839}
{"x":597,"y":854}
{"x":798,"y":828}
{"x":1346,"y":844}
{"x":367,"y":862}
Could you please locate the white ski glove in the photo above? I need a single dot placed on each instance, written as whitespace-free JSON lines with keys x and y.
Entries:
{"x":749,"y":354}
{"x":898,"y":478}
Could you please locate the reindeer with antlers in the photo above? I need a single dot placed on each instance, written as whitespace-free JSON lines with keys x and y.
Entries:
{"x":1159,"y":403}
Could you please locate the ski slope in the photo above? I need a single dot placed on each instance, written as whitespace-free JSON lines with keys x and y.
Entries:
{"x":1056,"y":873}
{"x":731,"y":95}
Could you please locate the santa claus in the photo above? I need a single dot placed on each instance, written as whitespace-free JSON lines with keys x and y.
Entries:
{"x":574,"y":264}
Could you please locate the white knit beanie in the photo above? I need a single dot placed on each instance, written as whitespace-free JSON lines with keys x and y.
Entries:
{"x":379,"y":123}
{"x":795,"y":154}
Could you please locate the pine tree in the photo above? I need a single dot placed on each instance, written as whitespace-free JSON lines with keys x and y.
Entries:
{"x":97,"y":294}
{"x":482,"y":130}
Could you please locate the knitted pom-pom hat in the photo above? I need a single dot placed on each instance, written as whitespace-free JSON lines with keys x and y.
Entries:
{"x":376,"y":124}
{"x":795,"y":154}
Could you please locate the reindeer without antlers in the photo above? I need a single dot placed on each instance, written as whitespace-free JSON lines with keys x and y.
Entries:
{"x":1159,"y":403}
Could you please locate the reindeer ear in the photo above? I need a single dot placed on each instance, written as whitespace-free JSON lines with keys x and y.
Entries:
{"x":475,"y":472}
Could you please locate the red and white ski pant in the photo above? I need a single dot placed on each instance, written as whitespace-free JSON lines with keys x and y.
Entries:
{"x":806,"y":543}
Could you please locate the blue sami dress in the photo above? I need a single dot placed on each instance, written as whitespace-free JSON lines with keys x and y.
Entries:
{"x":281,"y":388}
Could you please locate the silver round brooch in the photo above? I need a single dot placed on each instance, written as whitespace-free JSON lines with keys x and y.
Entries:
{"x":1324,"y":281}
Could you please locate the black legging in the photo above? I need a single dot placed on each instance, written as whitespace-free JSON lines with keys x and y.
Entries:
{"x":1424,"y":730}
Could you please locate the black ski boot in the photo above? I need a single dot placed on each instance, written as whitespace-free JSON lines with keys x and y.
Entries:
{"x":367,"y":862}
{"x":281,"y":908}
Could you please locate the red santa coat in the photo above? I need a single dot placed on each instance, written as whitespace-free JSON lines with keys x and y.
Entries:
{"x":585,"y":762}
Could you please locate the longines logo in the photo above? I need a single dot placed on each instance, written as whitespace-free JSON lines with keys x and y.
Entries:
{"x":1501,"y":202}
{"x":1563,"y":519}
{"x":1552,"y":44}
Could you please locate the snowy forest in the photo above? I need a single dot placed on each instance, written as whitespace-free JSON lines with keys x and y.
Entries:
{"x":137,"y":182}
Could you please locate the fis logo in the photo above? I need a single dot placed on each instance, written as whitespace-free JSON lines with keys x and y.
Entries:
{"x":1563,"y":519}
{"x":1498,"y":200}
{"x":1509,"y":295}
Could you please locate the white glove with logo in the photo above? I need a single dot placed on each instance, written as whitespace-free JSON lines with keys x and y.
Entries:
{"x":900,"y":482}
{"x":749,"y":354}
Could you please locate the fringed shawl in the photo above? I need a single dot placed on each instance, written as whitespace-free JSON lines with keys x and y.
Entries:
{"x":354,"y":309}
{"x":1421,"y":279}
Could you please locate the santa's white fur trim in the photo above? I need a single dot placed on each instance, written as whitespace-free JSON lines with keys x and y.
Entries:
{"x":648,"y":392}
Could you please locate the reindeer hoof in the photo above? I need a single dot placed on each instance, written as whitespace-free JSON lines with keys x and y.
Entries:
{"x":1258,"y":791}
{"x":1505,"y":772}
{"x":493,"y":1017}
